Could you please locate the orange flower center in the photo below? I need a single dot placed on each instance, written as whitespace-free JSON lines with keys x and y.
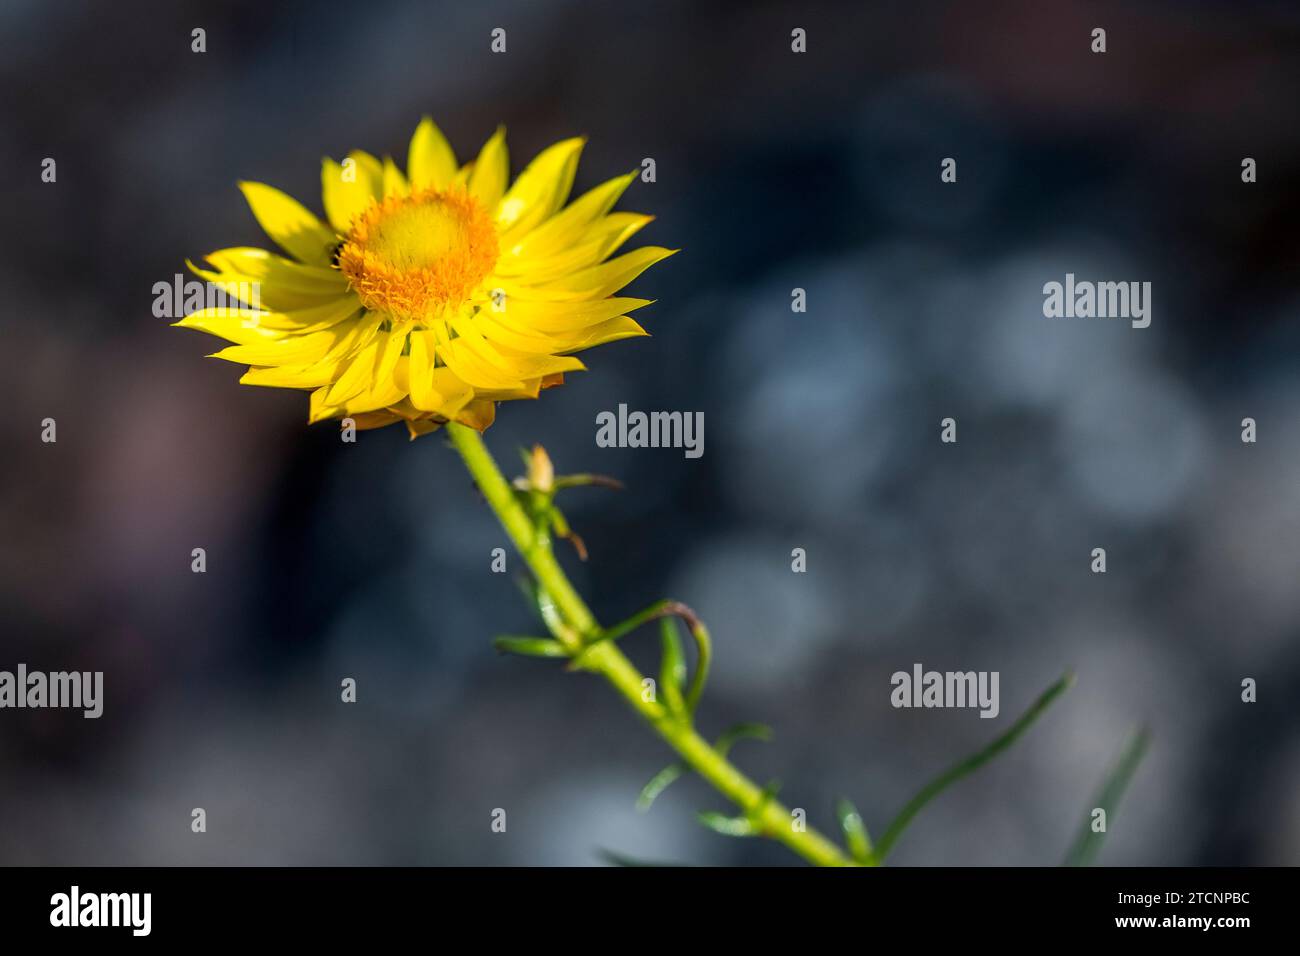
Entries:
{"x":412,"y":256}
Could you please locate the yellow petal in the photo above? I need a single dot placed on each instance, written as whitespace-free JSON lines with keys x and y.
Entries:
{"x":318,"y":409}
{"x":610,"y":330}
{"x":286,"y":350}
{"x":381,"y":394}
{"x":430,"y":162}
{"x":289,"y":223}
{"x":562,"y":229}
{"x":251,"y":293}
{"x":419,"y":369}
{"x":595,"y":282}
{"x":487,"y":180}
{"x":291,"y":376}
{"x":291,"y":351}
{"x":280,"y":292}
{"x":241,"y":326}
{"x":391,"y":351}
{"x":269,"y":268}
{"x":542,"y":188}
{"x":563,"y":317}
{"x":599,"y":241}
{"x":471,"y":367}
{"x":350,"y":337}
{"x":348,"y":191}
{"x":366,"y":407}
{"x":490,"y":365}
{"x":278,"y":283}
{"x":250,"y":325}
{"x":357,"y":376}
{"x":530,"y":366}
{"x":448,"y":393}
{"x":314,"y":319}
{"x":394,"y":181}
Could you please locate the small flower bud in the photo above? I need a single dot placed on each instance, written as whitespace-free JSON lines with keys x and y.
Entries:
{"x":541,"y":473}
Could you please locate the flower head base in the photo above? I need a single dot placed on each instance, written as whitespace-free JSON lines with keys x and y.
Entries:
{"x":412,"y":256}
{"x":429,"y":296}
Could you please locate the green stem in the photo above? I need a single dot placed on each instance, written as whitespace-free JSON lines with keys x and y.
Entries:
{"x":603,"y":657}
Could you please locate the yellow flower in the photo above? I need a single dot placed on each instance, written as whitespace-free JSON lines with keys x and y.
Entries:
{"x":429,"y":296}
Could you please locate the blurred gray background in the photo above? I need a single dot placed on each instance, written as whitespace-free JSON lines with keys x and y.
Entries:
{"x":775,"y":170}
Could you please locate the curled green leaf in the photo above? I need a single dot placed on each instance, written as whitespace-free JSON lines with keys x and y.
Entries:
{"x":703,"y":659}
{"x":672,"y":667}
{"x":699,"y":633}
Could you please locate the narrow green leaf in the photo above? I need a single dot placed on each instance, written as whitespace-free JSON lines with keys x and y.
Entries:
{"x":528,"y":587}
{"x":658,"y":784}
{"x":727,"y":826}
{"x":551,"y":616}
{"x":856,"y":837}
{"x":576,"y":481}
{"x":1088,"y":844}
{"x":623,"y":628}
{"x":675,"y":771}
{"x":618,"y":859}
{"x":672,"y":667}
{"x":529,"y":646}
{"x":968,"y":766}
{"x":741,"y":732}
